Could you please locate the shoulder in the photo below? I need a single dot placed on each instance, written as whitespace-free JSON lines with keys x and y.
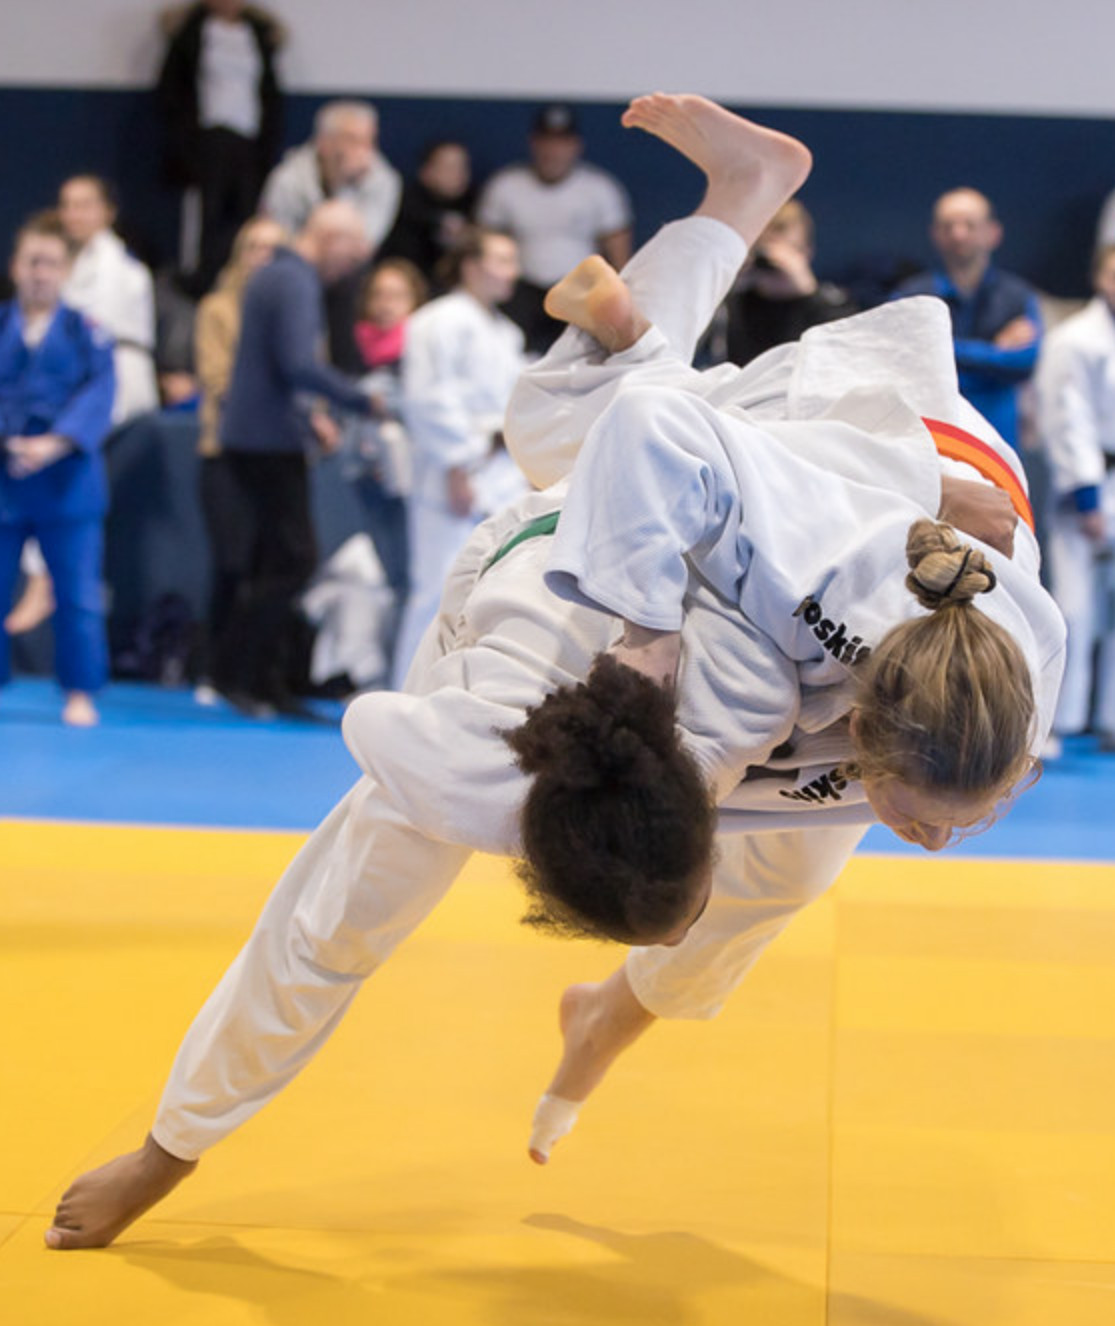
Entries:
{"x":921,"y":283}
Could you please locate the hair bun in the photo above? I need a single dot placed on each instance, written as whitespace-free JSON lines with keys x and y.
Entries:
{"x":944,"y":571}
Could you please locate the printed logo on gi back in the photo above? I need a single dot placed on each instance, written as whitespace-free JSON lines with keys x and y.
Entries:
{"x":826,"y":787}
{"x":833,"y":635}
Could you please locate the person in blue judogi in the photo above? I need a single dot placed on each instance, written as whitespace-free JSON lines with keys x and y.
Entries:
{"x":56,"y":392}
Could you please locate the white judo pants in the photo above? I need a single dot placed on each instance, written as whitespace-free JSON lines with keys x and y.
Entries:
{"x":1083,"y":583}
{"x":366,"y":877}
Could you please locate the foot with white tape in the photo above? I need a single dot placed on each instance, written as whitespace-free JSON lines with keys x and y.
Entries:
{"x":597,"y":1023}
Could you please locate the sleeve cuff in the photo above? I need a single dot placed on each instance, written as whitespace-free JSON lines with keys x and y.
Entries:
{"x":1087,"y":498}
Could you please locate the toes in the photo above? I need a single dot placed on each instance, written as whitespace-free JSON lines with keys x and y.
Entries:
{"x":62,"y":1240}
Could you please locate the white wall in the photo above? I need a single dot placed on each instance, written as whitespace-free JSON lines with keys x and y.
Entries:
{"x":984,"y":55}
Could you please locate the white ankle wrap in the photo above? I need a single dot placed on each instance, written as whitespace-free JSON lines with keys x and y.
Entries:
{"x":553,"y":1118}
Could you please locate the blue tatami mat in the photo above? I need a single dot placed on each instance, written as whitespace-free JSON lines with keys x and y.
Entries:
{"x":160,"y":758}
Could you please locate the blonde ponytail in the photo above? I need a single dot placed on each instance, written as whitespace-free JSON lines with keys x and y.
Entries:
{"x":946,"y":702}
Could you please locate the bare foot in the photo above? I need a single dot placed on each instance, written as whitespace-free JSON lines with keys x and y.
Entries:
{"x":103,"y":1203}
{"x":597,"y":1023}
{"x":751,"y":170}
{"x":594,"y":297}
{"x":35,"y":605}
{"x":80,"y":711}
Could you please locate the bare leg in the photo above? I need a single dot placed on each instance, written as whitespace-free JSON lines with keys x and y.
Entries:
{"x":101,"y":1204}
{"x":79,"y":710}
{"x":598,"y":1022}
{"x":35,"y":605}
{"x":751,"y":170}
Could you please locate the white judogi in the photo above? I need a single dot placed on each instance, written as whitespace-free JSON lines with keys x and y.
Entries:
{"x":1076,"y":403}
{"x":460,"y":366}
{"x":437,"y":783}
{"x":115,"y":291}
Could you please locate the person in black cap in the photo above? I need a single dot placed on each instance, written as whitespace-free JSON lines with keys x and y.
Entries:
{"x":561,"y":210}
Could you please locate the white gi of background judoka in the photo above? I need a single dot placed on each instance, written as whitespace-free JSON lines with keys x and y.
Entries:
{"x":1076,"y":404}
{"x":460,"y":365}
{"x":437,"y":783}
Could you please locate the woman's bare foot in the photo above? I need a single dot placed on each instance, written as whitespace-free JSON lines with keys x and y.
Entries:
{"x":597,"y":1023}
{"x":594,"y":297}
{"x":80,"y":711}
{"x":103,"y":1203}
{"x":35,"y":605}
{"x":751,"y":171}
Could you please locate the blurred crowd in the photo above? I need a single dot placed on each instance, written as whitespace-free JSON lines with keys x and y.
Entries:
{"x":323,"y":306}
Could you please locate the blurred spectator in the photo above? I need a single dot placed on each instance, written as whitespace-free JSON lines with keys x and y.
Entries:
{"x":778,"y":297}
{"x":342,"y":161}
{"x":222,"y":107}
{"x":217,"y":336}
{"x":996,"y":321}
{"x":56,"y":392}
{"x":114,"y":290}
{"x":1076,"y":416}
{"x":377,"y":456}
{"x":560,"y":210}
{"x":264,"y":430}
{"x":436,"y":207}
{"x":462,"y":359}
{"x":175,"y":325}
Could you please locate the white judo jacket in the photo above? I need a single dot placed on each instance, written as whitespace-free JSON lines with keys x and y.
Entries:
{"x":115,"y":291}
{"x":1076,"y":398}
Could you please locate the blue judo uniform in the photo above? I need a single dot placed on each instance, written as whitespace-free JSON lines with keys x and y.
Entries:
{"x":64,"y":385}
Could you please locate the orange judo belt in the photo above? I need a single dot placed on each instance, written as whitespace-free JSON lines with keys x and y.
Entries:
{"x":957,"y":444}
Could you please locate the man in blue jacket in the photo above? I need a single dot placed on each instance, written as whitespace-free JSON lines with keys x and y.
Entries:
{"x":56,"y":391}
{"x":996,"y":322}
{"x":268,"y":423}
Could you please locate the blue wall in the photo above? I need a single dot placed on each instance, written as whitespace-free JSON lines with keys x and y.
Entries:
{"x":876,"y":174}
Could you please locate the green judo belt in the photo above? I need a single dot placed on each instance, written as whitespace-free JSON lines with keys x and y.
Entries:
{"x":540,"y":525}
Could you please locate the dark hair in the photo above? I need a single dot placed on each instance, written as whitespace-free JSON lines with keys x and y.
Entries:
{"x":40,"y":223}
{"x":470,"y":245}
{"x":618,"y":825}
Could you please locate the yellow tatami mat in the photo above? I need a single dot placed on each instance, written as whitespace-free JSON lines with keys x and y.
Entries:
{"x":906,"y":1118}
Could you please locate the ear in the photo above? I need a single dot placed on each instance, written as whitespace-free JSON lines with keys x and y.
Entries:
{"x":995,"y":235}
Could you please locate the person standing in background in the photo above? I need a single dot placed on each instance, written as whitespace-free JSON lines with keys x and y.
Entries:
{"x":996,"y":321}
{"x":377,"y":458}
{"x":266,"y":426}
{"x":778,"y":297}
{"x":114,"y":290}
{"x":437,"y":205}
{"x":57,"y":385}
{"x":1076,"y":418}
{"x":463,"y":357}
{"x":217,"y":334}
{"x":559,"y":210}
{"x":220,"y":100}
